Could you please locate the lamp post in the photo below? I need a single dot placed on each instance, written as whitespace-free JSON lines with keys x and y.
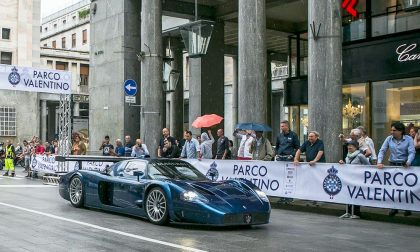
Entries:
{"x":170,"y":76}
{"x":196,"y":36}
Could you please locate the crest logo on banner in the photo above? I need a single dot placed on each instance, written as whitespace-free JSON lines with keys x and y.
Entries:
{"x":14,"y":77}
{"x":213,"y":173}
{"x":76,"y":166}
{"x":332,"y":183}
{"x":34,"y":162}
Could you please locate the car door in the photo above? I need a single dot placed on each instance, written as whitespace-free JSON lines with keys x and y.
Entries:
{"x":128,"y":192}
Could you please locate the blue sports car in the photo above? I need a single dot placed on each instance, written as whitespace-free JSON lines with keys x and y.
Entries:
{"x":165,"y":190}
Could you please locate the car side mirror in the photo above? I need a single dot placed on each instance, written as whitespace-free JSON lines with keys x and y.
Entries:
{"x":138,"y":174}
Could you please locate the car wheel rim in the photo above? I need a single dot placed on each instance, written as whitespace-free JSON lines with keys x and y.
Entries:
{"x":156,"y":205}
{"x":76,"y":190}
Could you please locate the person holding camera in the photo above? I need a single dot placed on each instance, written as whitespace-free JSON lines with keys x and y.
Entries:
{"x":106,"y":147}
{"x":139,"y":149}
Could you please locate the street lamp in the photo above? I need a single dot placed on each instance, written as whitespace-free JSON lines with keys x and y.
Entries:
{"x":196,"y":36}
{"x":170,"y":76}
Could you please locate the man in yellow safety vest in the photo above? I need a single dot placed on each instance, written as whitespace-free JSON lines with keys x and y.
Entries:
{"x":9,"y":157}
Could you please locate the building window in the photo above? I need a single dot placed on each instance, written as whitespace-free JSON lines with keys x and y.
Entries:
{"x":395,"y":16}
{"x":84,"y":32}
{"x":394,"y":100}
{"x":55,"y":26}
{"x":46,"y":28}
{"x":54,"y":44}
{"x":73,"y":40}
{"x":45,"y":45}
{"x":74,"y":18}
{"x":6,"y":58}
{"x":5,"y":33}
{"x":84,"y":77}
{"x":63,"y":42}
{"x":355,"y":107}
{"x":64,"y":21}
{"x":7,"y":121}
{"x":354,"y":28}
{"x":62,"y":65}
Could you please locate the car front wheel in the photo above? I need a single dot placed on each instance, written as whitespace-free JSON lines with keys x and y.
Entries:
{"x":76,"y":192}
{"x":157,"y":206}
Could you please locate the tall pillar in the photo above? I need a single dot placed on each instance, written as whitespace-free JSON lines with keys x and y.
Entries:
{"x":268,"y":104}
{"x":43,"y":120}
{"x":252,"y":89}
{"x":51,"y":121}
{"x":206,"y":82}
{"x":151,"y":118}
{"x":235,"y":96}
{"x":325,"y":74}
{"x":177,"y":97}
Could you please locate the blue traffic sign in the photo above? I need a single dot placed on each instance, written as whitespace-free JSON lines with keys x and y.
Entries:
{"x":130,"y":87}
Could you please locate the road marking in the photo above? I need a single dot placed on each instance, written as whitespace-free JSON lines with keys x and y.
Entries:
{"x":139,"y":237}
{"x":28,"y":186}
{"x":17,"y":177}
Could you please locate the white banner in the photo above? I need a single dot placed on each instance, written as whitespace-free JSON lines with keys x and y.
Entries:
{"x":47,"y":164}
{"x":35,"y":80}
{"x":397,"y":188}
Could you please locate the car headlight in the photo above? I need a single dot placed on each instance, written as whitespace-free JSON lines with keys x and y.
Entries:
{"x":262,"y":195}
{"x":193,"y":196}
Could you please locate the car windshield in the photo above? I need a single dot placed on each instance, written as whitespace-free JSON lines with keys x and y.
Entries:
{"x":175,"y":170}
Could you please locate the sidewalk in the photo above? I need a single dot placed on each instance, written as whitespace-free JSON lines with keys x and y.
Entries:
{"x":367,"y":213}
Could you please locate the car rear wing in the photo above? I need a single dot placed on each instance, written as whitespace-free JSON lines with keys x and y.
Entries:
{"x":86,"y":162}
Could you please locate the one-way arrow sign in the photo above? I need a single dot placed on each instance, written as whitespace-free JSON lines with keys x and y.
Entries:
{"x":130,"y":87}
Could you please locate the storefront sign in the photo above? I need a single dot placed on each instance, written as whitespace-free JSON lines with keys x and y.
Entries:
{"x":348,"y":5}
{"x":81,"y":98}
{"x":405,"y":53}
{"x":385,"y":59}
{"x":35,"y":80}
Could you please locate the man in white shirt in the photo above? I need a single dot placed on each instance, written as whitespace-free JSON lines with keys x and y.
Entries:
{"x":247,"y":138}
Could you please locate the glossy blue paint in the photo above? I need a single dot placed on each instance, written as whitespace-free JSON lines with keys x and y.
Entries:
{"x":231,"y":202}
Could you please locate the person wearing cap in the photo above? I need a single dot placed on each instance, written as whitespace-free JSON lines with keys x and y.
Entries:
{"x":313,"y":148}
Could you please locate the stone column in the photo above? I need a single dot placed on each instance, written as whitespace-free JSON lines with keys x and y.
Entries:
{"x":206,"y":82}
{"x":43,"y":120}
{"x":177,"y":97}
{"x":252,"y":88}
{"x":51,"y":121}
{"x":151,"y":119}
{"x":325,"y":75}
{"x":234,"y":91}
{"x":234,"y":98}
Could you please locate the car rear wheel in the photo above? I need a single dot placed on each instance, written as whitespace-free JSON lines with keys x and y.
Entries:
{"x":157,"y":206}
{"x":76,"y":192}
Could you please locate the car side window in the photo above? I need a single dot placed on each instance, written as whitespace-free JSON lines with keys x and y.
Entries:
{"x":134,"y":166}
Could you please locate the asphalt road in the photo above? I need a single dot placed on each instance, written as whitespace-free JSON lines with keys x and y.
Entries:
{"x":35,"y":218}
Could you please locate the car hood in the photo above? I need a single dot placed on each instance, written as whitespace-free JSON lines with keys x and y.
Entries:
{"x":226,"y":194}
